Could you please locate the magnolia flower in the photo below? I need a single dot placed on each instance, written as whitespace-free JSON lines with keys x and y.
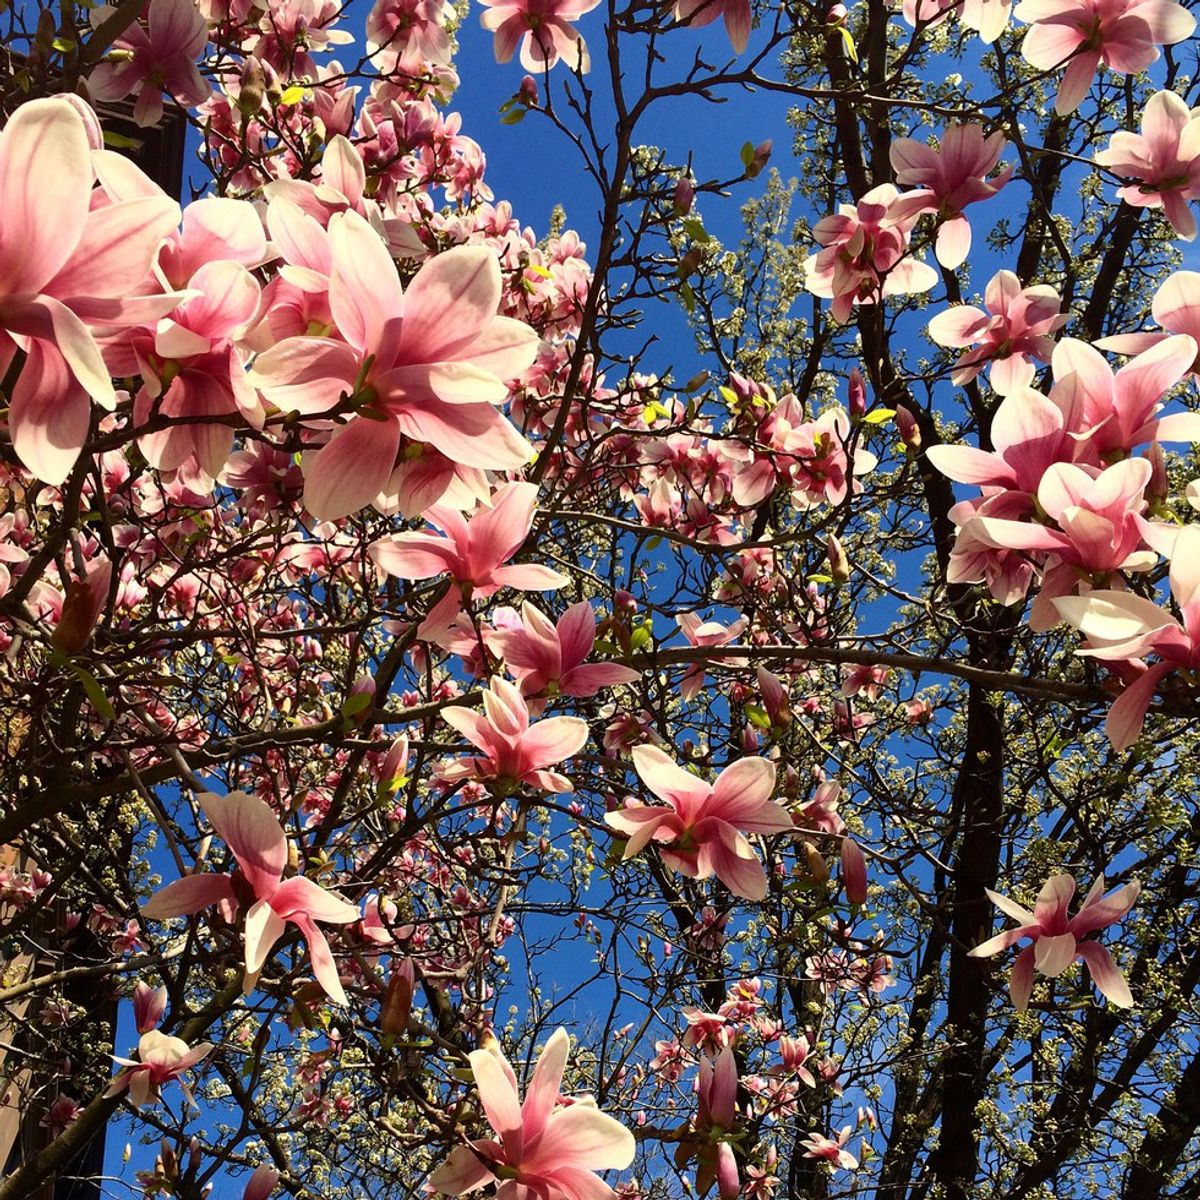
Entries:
{"x":472,"y":552}
{"x":1124,"y":628}
{"x":1124,"y":35}
{"x":702,"y":824}
{"x":546,"y":658}
{"x":817,"y":1145}
{"x":419,"y":367}
{"x":542,"y":1147}
{"x":1016,"y":330}
{"x":65,"y":262}
{"x":1164,"y":159}
{"x":947,"y":180}
{"x":716,"y":1114}
{"x":704,"y":12}
{"x":543,"y":30}
{"x":252,"y":831}
{"x":160,"y":1059}
{"x":705,"y":633}
{"x":1176,"y":307}
{"x":1058,"y":940}
{"x":514,"y":751}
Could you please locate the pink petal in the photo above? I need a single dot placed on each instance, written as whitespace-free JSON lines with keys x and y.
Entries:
{"x":583,"y":1137}
{"x":666,"y":779}
{"x":449,"y":304}
{"x":542,"y":1094}
{"x":251,"y":830}
{"x":188,"y":895}
{"x":264,"y":927}
{"x":364,"y":288}
{"x":498,"y":1095}
{"x":308,"y":375}
{"x":1107,"y":978}
{"x":323,"y":964}
{"x":347,"y":473}
{"x":300,"y":896}
{"x":552,"y":741}
{"x":49,"y":416}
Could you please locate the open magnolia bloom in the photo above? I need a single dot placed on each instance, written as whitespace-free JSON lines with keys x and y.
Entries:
{"x":160,"y":1059}
{"x":702,"y":824}
{"x":546,"y":1147}
{"x":1058,"y":940}
{"x":252,"y":831}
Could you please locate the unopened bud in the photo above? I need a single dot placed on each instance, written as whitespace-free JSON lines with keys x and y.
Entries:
{"x":854,"y":872}
{"x":762,"y":156}
{"x":1158,"y":488}
{"x":397,"y":1000}
{"x":836,"y":14}
{"x":858,"y":394}
{"x":910,"y":434}
{"x":685,"y":194}
{"x":149,"y":1004}
{"x":252,"y":87}
{"x":261,"y":1183}
{"x":527,"y":93}
{"x":82,"y":607}
{"x":689,"y":263}
{"x":814,"y":860}
{"x":839,"y":562}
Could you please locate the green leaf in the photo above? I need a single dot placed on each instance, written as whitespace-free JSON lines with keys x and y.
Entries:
{"x":848,"y":42}
{"x":356,"y":703}
{"x":293,"y":95}
{"x":514,"y":116}
{"x":747,"y":154}
{"x":694,"y":228}
{"x":878,"y":416}
{"x":95,"y":693}
{"x":64,"y":45}
{"x":688,"y":297}
{"x":757,"y":717}
{"x":118,"y":141}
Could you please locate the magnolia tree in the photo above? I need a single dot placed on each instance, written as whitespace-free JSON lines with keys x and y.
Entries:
{"x":474,"y":727}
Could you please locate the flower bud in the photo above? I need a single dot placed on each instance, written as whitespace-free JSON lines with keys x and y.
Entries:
{"x":836,"y":14}
{"x":252,"y":87}
{"x":910,"y":434}
{"x":149,"y":1004}
{"x":685,"y":194}
{"x":82,"y":607}
{"x":854,"y":872}
{"x":814,"y":860}
{"x":858,"y":394}
{"x":689,"y":263}
{"x":762,"y":155}
{"x":527,"y":93}
{"x":397,"y":1000}
{"x":839,"y":562}
{"x":261,"y":1183}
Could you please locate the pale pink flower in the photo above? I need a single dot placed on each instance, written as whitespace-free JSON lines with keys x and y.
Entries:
{"x":705,"y":633}
{"x":160,"y":1059}
{"x":1124,"y":628}
{"x":1119,"y":410}
{"x":422,"y":367}
{"x":149,"y":1004}
{"x":1059,"y":939}
{"x":947,"y":180}
{"x":542,"y":29}
{"x":1176,"y":307}
{"x":542,"y":1147}
{"x":160,"y":56}
{"x":473,"y":552}
{"x":736,"y":14}
{"x":403,"y":34}
{"x":829,"y":1150}
{"x":515,"y":752}
{"x":864,"y":255}
{"x":262,"y":1182}
{"x":1164,"y":159}
{"x":715,"y":1118}
{"x":65,"y":264}
{"x":252,"y":831}
{"x":549,"y":659}
{"x":1124,"y":35}
{"x":702,"y":825}
{"x":1015,"y":330}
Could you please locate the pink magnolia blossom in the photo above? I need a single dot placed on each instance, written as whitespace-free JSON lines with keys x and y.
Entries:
{"x":403,"y":34}
{"x":160,"y":1059}
{"x":702,"y":824}
{"x":830,"y":1150}
{"x":716,"y":1115}
{"x":149,"y":1004}
{"x":65,"y":264}
{"x":947,"y":180}
{"x":1124,"y":35}
{"x":1015,"y":330}
{"x":705,"y":633}
{"x":542,"y":29}
{"x":419,"y":367}
{"x":736,"y":14}
{"x":1060,"y":940}
{"x":864,"y":255}
{"x":1100,"y":529}
{"x":1164,"y":159}
{"x":1119,"y":410}
{"x":252,"y":831}
{"x":515,"y":753}
{"x":473,"y":552}
{"x":150,"y":60}
{"x":549,"y":659}
{"x":1124,"y":628}
{"x":1176,"y":307}
{"x":542,"y":1147}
